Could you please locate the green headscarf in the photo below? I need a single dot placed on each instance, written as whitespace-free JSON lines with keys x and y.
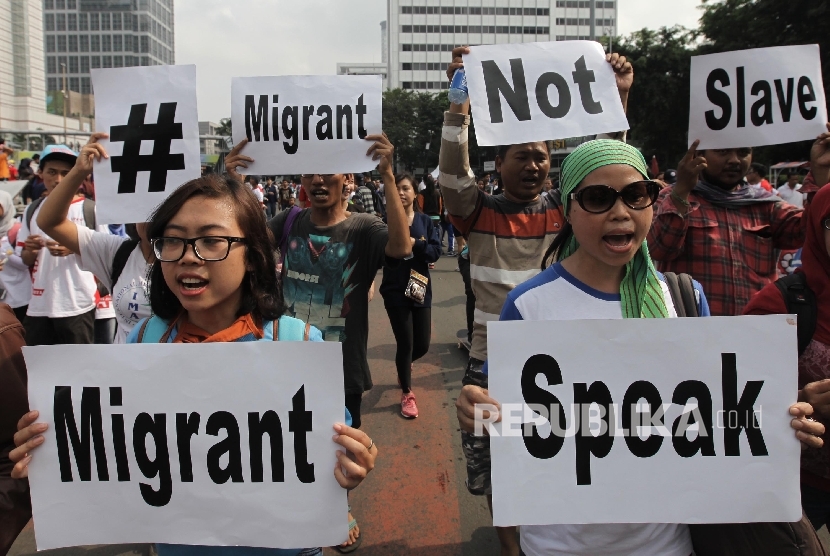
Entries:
{"x":641,"y":293}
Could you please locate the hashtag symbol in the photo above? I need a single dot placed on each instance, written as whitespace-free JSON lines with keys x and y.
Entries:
{"x":131,"y":162}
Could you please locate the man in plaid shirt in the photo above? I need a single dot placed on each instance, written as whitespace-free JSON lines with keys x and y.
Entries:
{"x":364,"y":194}
{"x":724,"y":233}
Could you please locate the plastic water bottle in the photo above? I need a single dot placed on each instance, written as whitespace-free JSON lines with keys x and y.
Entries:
{"x":458,"y":87}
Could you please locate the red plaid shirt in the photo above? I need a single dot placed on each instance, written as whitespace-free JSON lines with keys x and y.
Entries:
{"x":732,"y":252}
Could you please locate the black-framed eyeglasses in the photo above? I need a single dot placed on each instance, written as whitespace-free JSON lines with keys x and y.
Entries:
{"x":597,"y":199}
{"x":826,"y":223}
{"x":325,"y":177}
{"x":207,"y":248}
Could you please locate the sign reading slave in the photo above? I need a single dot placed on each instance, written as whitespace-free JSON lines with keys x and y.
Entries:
{"x":763,"y":96}
{"x":306,"y":124}
{"x":644,"y":420}
{"x":215,"y":444}
{"x":539,"y":91}
{"x":150,"y":115}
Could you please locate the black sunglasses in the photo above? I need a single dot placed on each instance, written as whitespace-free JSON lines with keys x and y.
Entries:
{"x":826,"y":223}
{"x":597,"y":199}
{"x":207,"y":248}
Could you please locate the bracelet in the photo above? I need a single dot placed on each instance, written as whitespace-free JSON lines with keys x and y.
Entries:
{"x":677,"y":198}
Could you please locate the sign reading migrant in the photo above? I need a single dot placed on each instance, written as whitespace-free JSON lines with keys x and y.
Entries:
{"x":539,"y":91}
{"x":153,"y":125}
{"x":644,"y":420}
{"x":215,"y":444}
{"x":306,"y":124}
{"x":763,"y":96}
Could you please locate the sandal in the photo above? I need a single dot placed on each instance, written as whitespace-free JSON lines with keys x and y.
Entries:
{"x":355,"y":545}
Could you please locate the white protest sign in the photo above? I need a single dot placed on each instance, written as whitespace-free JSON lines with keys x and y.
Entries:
{"x":151,"y":117}
{"x":722,"y":452}
{"x":307,"y":124}
{"x":211,"y":444}
{"x":763,"y":96}
{"x":543,"y":90}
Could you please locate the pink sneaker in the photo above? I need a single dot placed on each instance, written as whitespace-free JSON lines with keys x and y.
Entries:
{"x":408,"y":407}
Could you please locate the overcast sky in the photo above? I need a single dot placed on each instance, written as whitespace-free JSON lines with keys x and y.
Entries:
{"x":307,"y":37}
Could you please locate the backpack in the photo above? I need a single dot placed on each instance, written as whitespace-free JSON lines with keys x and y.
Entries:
{"x":287,"y":329}
{"x":119,"y":261}
{"x":290,"y":218}
{"x":89,"y":212}
{"x":801,"y":301}
{"x":683,"y":295}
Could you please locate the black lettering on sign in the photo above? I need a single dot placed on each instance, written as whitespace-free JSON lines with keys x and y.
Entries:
{"x":642,"y":389}
{"x":258,"y":119}
{"x":564,"y":92}
{"x":584,"y":77}
{"x":806,"y":94}
{"x":743,"y":409}
{"x":186,"y":427}
{"x":269,"y":424}
{"x":131,"y":161}
{"x":588,"y":444}
{"x":764,"y":103}
{"x":275,"y":120}
{"x":741,"y":97}
{"x":516,"y":96}
{"x":538,"y":447}
{"x":361,"y":111}
{"x":119,"y":439}
{"x":785,"y":101}
{"x":156,"y":427}
{"x":704,"y":442}
{"x":290,"y":118}
{"x":719,"y":98}
{"x":91,"y":427}
{"x":299,"y":422}
{"x":230,"y":445}
{"x":325,"y":114}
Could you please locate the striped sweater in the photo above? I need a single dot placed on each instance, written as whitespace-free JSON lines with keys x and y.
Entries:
{"x":507,"y":240}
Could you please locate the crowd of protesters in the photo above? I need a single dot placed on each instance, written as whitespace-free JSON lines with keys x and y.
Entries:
{"x":227,"y":258}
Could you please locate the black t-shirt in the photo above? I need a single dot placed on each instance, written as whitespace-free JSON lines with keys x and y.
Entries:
{"x":326,"y":277}
{"x":271,"y":194}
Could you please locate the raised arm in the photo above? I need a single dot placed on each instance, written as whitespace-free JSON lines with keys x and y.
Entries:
{"x":399,"y":244}
{"x":52,"y":216}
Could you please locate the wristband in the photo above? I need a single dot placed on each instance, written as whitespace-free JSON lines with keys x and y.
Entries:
{"x":680,"y":200}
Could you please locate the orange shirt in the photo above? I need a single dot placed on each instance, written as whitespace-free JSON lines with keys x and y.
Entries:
{"x":4,"y":166}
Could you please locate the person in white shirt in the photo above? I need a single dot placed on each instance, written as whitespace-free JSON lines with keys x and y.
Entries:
{"x":790,"y":191}
{"x":14,"y":275}
{"x":62,"y":307}
{"x":120,"y":264}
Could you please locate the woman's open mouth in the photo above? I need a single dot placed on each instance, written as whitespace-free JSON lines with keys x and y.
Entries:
{"x":618,"y":243}
{"x":193,"y":286}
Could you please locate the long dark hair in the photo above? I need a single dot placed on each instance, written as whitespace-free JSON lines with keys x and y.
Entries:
{"x":261,"y":294}
{"x":560,"y":241}
{"x":432,"y":203}
{"x":407,"y":176}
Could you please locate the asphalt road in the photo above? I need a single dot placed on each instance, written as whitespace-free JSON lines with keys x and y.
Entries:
{"x":415,"y":501}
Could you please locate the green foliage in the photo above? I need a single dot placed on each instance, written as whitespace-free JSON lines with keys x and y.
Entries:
{"x":224,"y":127}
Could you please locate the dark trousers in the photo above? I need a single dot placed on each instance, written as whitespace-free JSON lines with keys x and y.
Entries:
{"x":45,"y":331}
{"x":816,"y":505}
{"x":464,"y":267}
{"x":412,"y":327}
{"x":104,"y":331}
{"x":20,"y":313}
{"x":15,"y":506}
{"x":353,"y":402}
{"x":448,"y":230}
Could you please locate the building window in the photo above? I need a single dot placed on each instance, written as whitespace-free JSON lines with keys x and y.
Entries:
{"x":84,"y":43}
{"x":144,"y":23}
{"x":49,"y":22}
{"x":72,"y":22}
{"x":83,"y":22}
{"x":145,"y":60}
{"x":118,"y":61}
{"x":128,"y":43}
{"x":49,"y":4}
{"x":145,"y":45}
{"x":61,"y":43}
{"x":84,"y":64}
{"x":93,"y":22}
{"x":542,"y":11}
{"x":71,"y":5}
{"x":404,"y":47}
{"x":73,"y":43}
{"x":107,"y":61}
{"x":60,"y":4}
{"x":406,"y":28}
{"x":406,"y":66}
{"x":73,"y":64}
{"x":116,"y":22}
{"x":105,"y":22}
{"x":117,"y":44}
{"x":86,"y":87}
{"x":75,"y":84}
{"x":406,"y":85}
{"x":52,"y":84}
{"x":106,"y":43}
{"x":60,"y":22}
{"x":95,"y":43}
{"x":51,"y":65}
{"x":95,"y":62}
{"x":50,"y":43}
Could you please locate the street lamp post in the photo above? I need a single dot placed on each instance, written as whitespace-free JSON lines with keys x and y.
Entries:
{"x":65,"y":95}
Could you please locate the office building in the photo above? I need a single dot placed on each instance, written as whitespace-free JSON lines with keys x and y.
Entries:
{"x":422,"y":33}
{"x":370,"y":68}
{"x":80,"y":35}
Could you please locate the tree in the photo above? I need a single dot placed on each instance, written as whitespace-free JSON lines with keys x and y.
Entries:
{"x":742,"y":24}
{"x":658,"y":106}
{"x":224,"y":127}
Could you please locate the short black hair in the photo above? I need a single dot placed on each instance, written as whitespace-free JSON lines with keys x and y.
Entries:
{"x":36,"y":157}
{"x":501,"y":150}
{"x":759,"y":168}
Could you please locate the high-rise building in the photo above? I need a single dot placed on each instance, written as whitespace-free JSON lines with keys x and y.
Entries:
{"x":370,"y":68}
{"x":422,"y":33}
{"x":80,"y":35}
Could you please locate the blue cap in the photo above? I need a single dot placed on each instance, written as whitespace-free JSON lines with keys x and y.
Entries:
{"x":58,"y":152}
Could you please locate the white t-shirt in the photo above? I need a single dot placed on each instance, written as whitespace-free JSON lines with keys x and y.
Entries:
{"x":59,"y":287}
{"x":555,"y":294}
{"x":15,"y":277}
{"x":793,"y":196}
{"x":129,"y":295}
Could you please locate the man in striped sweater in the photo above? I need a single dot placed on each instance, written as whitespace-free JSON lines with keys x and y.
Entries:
{"x":507,"y":235}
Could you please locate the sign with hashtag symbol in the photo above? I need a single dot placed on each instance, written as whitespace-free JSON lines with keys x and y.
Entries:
{"x":151,"y":117}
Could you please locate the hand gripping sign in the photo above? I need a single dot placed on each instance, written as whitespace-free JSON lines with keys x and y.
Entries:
{"x":539,"y":91}
{"x":213,"y":444}
{"x":763,"y":96}
{"x":644,"y":421}
{"x":151,"y":117}
{"x":307,"y":124}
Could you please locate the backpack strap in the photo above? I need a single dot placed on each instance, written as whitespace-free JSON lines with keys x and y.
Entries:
{"x":293,"y":213}
{"x":307,"y":332}
{"x":801,"y":301}
{"x":30,"y":212}
{"x":153,"y":330}
{"x":89,"y":214}
{"x":682,"y":292}
{"x":289,"y":329}
{"x":119,"y":261}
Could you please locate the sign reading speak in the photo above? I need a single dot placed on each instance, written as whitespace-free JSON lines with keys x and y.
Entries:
{"x":307,"y":124}
{"x":763,"y":96}
{"x":644,"y":420}
{"x":540,"y":91}
{"x":213,"y":444}
{"x":151,"y":117}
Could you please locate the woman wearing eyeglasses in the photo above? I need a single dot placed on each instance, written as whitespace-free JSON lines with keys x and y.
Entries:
{"x":119,"y":263}
{"x":600,"y":269}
